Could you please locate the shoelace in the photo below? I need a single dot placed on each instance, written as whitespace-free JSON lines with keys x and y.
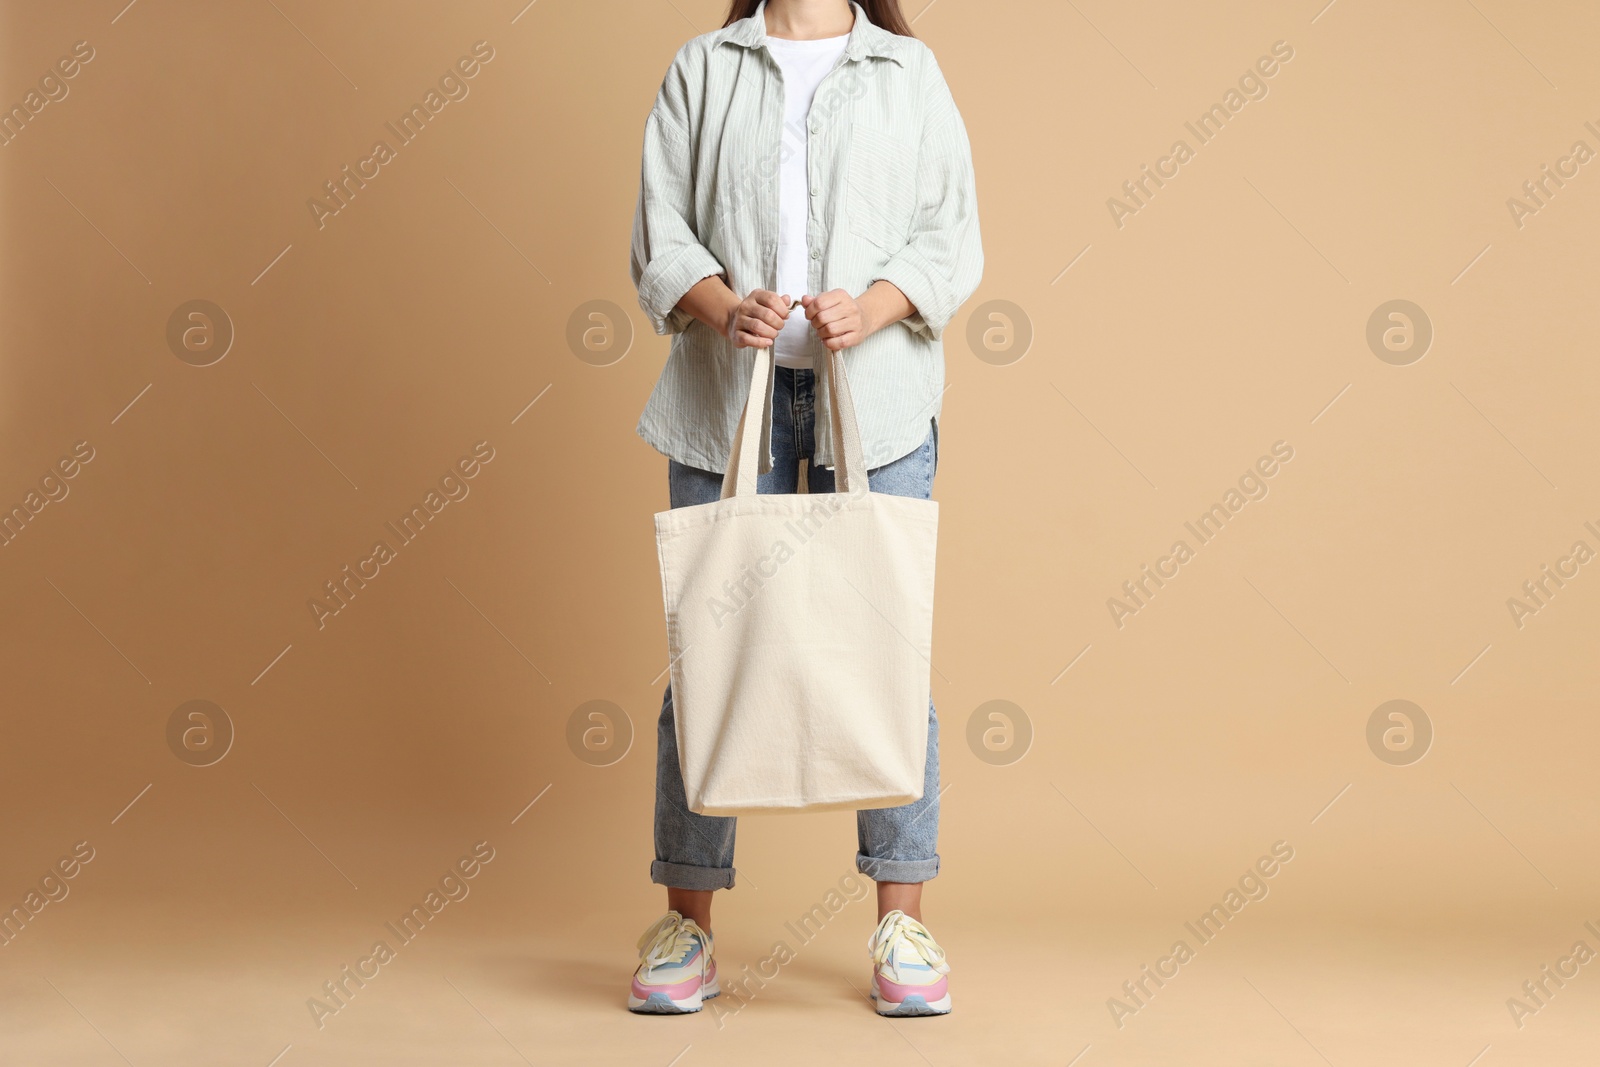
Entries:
{"x":897,"y":926}
{"x":670,"y":939}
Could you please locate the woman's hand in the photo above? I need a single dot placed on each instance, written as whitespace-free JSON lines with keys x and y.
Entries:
{"x":842,"y":321}
{"x":755,"y":321}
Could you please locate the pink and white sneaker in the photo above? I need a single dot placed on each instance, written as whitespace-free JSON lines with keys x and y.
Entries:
{"x":676,"y":972}
{"x":908,"y":968}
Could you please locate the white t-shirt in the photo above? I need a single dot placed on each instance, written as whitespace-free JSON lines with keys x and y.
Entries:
{"x":804,"y":65}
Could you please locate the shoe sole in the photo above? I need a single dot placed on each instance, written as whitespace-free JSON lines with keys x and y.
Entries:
{"x":911,"y":1006}
{"x":916,"y":1006}
{"x":661,"y":1004}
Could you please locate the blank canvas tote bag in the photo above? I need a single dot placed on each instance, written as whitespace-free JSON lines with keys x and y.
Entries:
{"x":799,"y":630}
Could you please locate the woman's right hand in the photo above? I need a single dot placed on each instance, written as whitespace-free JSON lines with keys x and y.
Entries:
{"x":755,"y":321}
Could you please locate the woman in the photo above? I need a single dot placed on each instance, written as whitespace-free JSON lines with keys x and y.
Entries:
{"x":807,"y":185}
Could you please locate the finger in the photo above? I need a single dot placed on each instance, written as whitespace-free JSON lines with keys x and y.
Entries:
{"x":765,"y":322}
{"x":828,"y":316}
{"x":772,"y":316}
{"x":819,"y":312}
{"x":849,"y":324}
{"x":778,"y":304}
{"x":767,"y":318}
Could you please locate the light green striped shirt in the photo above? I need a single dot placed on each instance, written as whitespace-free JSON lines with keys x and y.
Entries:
{"x":892,"y":197}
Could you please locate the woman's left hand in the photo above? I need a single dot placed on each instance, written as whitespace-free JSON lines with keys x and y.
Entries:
{"x":842,"y":321}
{"x":837,"y":318}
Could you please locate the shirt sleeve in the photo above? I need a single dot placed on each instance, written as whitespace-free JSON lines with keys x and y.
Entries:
{"x":941,"y":265}
{"x":667,"y":256}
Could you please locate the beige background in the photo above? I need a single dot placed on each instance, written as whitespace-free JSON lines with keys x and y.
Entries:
{"x":1167,"y":355}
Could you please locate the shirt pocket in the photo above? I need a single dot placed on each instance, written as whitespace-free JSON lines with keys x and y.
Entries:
{"x":880,"y":187}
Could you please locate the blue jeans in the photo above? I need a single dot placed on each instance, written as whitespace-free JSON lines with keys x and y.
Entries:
{"x":894,"y":844}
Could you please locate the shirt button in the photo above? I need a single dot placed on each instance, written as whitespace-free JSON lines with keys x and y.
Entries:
{"x":816,"y":254}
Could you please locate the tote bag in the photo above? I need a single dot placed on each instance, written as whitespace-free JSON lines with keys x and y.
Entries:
{"x":799,"y":630}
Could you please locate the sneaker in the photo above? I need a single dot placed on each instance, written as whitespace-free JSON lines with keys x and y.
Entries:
{"x":908,"y":968}
{"x":676,"y":971}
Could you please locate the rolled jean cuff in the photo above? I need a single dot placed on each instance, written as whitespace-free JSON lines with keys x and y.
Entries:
{"x":897,"y":870}
{"x":686,"y":876}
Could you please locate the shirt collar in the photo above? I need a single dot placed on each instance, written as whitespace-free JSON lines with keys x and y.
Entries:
{"x":866,"y":39}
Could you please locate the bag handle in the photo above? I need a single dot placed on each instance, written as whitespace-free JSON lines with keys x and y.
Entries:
{"x":755,"y":427}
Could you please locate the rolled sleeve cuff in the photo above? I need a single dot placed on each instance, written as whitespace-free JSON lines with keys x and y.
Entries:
{"x":932,"y":296}
{"x":665,"y":281}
